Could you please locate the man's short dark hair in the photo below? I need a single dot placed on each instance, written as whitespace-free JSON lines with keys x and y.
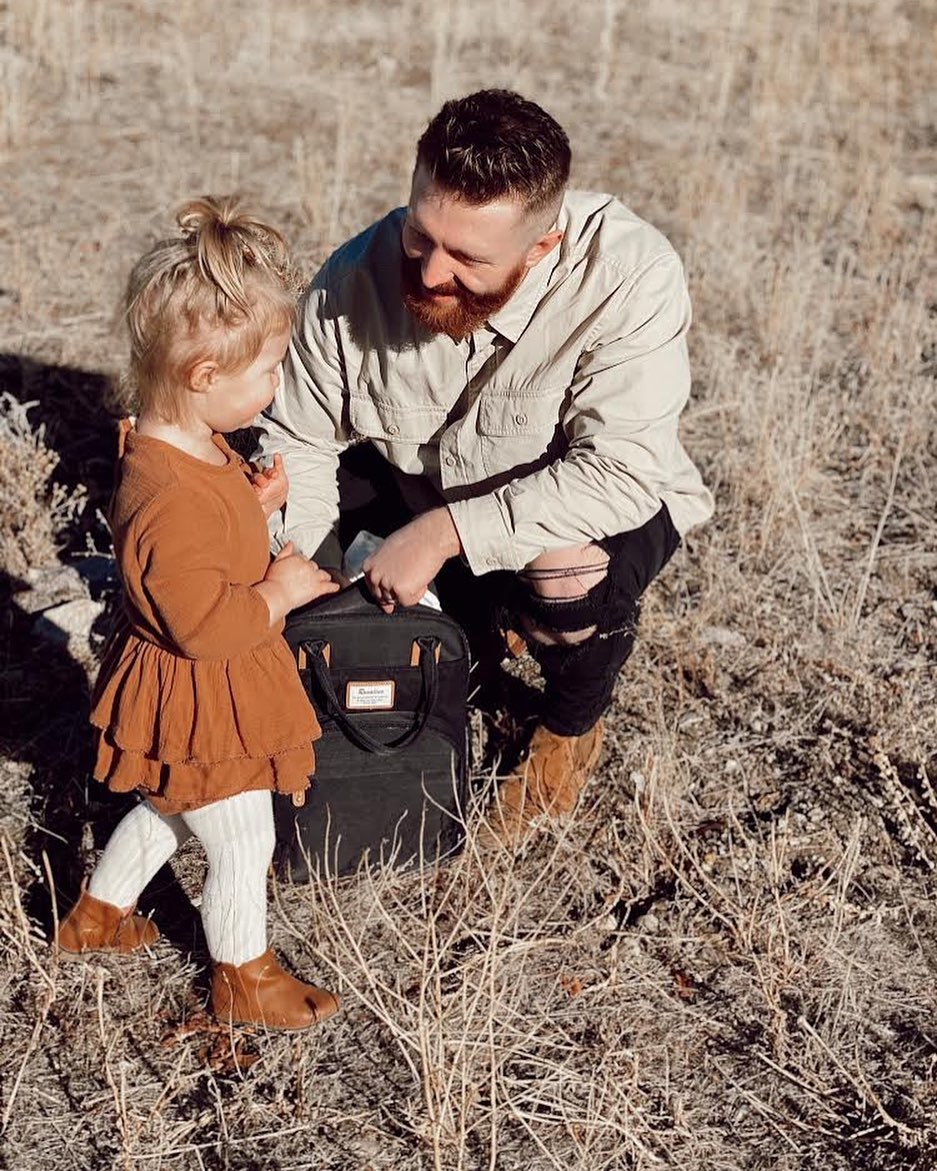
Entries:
{"x":494,"y":144}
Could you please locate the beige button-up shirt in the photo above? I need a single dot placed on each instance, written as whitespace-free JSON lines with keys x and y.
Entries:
{"x":554,"y":425}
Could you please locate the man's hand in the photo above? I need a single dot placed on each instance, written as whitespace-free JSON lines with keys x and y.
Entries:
{"x":400,"y":571}
{"x":271,"y":486}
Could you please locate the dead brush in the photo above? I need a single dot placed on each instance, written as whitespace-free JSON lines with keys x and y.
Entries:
{"x":33,"y":509}
{"x":479,"y":981}
{"x":796,"y":977}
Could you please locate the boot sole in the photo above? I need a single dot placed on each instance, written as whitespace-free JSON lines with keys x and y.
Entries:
{"x":268,"y":1028}
{"x":66,"y":953}
{"x":261,"y":1027}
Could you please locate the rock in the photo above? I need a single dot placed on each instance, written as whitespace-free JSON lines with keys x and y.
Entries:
{"x":722,"y":636}
{"x":70,"y":624}
{"x":49,"y":586}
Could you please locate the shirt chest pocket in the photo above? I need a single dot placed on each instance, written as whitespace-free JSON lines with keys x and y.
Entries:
{"x":391,"y":423}
{"x":519,"y":433}
{"x":518,"y":416}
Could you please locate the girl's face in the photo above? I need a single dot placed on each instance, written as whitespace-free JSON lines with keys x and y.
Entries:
{"x":231,"y":401}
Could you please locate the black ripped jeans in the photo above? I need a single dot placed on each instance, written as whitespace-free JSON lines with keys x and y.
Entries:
{"x":578,"y":679}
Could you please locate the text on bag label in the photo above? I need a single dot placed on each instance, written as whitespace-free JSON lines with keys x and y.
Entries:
{"x":370,"y":697}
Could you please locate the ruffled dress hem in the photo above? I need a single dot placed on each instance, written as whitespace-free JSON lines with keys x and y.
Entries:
{"x":183,"y":785}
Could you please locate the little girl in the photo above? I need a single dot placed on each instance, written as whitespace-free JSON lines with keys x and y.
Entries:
{"x":198,"y":704}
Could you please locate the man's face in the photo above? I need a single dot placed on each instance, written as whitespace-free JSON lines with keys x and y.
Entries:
{"x":461,"y":263}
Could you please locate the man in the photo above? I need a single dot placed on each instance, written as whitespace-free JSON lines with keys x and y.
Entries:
{"x":515,"y":355}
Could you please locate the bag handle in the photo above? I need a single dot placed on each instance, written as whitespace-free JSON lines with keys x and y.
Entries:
{"x":430,"y":675}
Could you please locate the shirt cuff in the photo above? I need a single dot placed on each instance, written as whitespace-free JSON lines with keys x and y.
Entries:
{"x":487,"y":543}
{"x":306,"y":538}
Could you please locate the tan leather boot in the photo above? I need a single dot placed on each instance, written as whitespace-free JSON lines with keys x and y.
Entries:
{"x":95,"y":926}
{"x":545,"y":788}
{"x":261,"y":993}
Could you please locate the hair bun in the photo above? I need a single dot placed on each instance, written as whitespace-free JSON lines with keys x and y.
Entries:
{"x":209,"y":214}
{"x":227,"y":239}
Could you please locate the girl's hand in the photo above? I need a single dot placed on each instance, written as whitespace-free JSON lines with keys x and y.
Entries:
{"x":271,"y":486}
{"x":291,"y":580}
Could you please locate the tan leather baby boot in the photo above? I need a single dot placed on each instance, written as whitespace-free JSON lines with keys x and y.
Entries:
{"x":95,"y":926}
{"x":261,"y":993}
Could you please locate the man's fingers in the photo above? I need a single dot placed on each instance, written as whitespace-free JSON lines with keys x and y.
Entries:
{"x":267,"y":475}
{"x":382,"y":595}
{"x":386,"y":595}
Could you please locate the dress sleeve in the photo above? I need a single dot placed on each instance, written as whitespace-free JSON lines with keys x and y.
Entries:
{"x":185,"y":577}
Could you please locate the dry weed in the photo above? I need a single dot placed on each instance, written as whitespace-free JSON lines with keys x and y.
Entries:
{"x":33,"y":509}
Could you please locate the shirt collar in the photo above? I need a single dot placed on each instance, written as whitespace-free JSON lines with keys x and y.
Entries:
{"x":511,"y":320}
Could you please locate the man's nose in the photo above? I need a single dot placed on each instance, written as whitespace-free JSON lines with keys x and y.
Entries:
{"x":435,"y":270}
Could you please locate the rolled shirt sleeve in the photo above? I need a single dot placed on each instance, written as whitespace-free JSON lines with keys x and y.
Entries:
{"x":306,"y":424}
{"x":631,"y":382}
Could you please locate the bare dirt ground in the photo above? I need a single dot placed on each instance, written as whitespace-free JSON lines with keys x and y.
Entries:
{"x":728,"y":961}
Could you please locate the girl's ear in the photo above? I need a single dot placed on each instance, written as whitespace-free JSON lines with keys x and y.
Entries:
{"x":202,"y":375}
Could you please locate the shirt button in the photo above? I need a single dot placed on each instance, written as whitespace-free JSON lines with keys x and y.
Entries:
{"x":450,"y":461}
{"x":393,"y":429}
{"x":520,"y":419}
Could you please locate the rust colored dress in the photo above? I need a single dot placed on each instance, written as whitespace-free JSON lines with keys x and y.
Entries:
{"x":198,"y":697}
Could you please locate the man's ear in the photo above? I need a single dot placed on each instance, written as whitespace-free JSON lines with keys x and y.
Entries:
{"x":202,"y":375}
{"x":547,"y":242}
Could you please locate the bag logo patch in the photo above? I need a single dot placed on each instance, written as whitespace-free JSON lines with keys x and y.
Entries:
{"x":371,"y":696}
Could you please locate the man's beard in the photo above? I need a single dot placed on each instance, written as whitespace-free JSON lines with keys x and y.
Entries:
{"x":464,"y":313}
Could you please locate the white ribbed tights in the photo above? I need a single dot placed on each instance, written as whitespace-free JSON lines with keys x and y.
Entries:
{"x":238,"y":837}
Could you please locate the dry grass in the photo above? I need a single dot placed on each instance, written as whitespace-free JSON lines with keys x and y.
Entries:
{"x":33,"y":508}
{"x":728,"y":961}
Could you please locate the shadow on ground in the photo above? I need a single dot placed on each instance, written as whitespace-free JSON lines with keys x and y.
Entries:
{"x":76,"y":411}
{"x":44,"y":710}
{"x":44,"y":691}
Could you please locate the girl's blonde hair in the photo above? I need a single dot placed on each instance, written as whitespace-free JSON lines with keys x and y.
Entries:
{"x":213,"y":293}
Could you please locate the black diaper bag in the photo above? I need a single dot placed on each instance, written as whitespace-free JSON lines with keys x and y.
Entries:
{"x":391,"y":694}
